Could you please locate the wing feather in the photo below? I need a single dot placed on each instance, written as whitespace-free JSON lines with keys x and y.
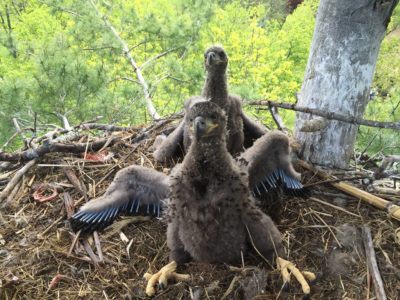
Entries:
{"x":268,"y":165}
{"x":134,"y":190}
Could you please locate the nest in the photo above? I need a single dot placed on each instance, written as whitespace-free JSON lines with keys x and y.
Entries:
{"x":41,"y":258}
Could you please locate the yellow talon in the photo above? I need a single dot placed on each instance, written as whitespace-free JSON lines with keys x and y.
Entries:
{"x":167,"y":272}
{"x":285,"y":266}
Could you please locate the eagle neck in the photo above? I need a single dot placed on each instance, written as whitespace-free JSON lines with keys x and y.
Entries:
{"x":216,"y":88}
{"x":209,"y":154}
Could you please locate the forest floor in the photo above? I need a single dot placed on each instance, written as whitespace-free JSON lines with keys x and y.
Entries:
{"x":35,"y":240}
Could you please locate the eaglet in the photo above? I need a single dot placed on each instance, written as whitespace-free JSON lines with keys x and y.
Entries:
{"x":211,"y":214}
{"x":242,"y":131}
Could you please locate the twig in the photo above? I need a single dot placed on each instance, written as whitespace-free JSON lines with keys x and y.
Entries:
{"x":334,"y":206}
{"x":372,"y":263}
{"x":277,"y":118}
{"x":98,"y":246}
{"x":18,"y":175}
{"x":150,"y":107}
{"x":89,"y":251}
{"x":328,"y":115}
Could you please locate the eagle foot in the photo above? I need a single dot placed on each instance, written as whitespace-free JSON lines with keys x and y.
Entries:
{"x":286,"y":268}
{"x":161,"y":277}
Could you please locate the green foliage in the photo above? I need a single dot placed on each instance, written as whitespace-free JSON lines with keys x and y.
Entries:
{"x":60,"y":57}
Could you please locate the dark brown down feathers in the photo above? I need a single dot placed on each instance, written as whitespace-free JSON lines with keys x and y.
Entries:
{"x":210,"y":203}
{"x":241,"y":130}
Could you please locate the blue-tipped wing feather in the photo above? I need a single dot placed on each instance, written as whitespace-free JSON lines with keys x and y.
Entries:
{"x":279,"y":178}
{"x":134,"y":191}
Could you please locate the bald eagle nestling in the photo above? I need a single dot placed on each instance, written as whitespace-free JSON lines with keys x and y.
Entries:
{"x":211,"y":214}
{"x":241,"y":132}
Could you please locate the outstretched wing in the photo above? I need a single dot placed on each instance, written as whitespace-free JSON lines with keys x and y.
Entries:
{"x":268,"y":165}
{"x":172,"y":145}
{"x":252,"y":131}
{"x":134,"y":190}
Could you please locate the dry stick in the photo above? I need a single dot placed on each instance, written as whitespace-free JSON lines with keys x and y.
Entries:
{"x":104,"y":127}
{"x":392,"y":209}
{"x":277,"y":118}
{"x":91,"y":253}
{"x":98,"y":246}
{"x":150,"y":107}
{"x":328,"y":115}
{"x":333,"y":206}
{"x":56,"y":147}
{"x":17,"y":177}
{"x":372,"y":263}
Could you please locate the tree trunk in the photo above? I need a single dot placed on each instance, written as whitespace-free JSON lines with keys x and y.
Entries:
{"x":339,"y":73}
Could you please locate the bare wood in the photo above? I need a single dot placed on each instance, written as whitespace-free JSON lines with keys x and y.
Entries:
{"x":372,"y":263}
{"x":69,"y":204}
{"x":150,"y":107}
{"x":98,"y":246}
{"x":16,"y":178}
{"x":56,"y":147}
{"x":333,"y":206}
{"x":392,"y":209}
{"x":328,"y":115}
{"x":81,"y":188}
{"x":277,"y":118}
{"x":104,"y":127}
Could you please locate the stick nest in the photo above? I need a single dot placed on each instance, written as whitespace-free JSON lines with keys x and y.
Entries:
{"x":36,"y":261}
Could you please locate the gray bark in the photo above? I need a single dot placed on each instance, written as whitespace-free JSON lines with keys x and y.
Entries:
{"x":339,"y":73}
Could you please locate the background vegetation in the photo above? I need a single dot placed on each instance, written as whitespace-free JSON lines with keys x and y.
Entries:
{"x":60,"y":57}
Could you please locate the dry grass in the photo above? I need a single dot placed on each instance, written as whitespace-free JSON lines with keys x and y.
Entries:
{"x":35,"y":240}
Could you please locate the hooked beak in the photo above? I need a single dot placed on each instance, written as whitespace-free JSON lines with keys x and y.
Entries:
{"x":203,"y":127}
{"x":212,"y":58}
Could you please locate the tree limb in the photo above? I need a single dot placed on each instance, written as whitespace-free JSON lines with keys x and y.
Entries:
{"x":56,"y":147}
{"x":328,"y":115}
{"x":150,"y":107}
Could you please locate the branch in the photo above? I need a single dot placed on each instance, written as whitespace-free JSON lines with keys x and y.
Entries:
{"x":392,"y":209}
{"x":328,"y":115}
{"x":372,"y":263}
{"x":104,"y":127}
{"x":149,"y":61}
{"x":150,"y":107}
{"x":277,"y":118}
{"x":56,"y":147}
{"x":18,"y":175}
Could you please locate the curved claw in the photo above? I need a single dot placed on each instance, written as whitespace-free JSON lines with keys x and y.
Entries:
{"x":286,"y":267}
{"x":161,"y":278}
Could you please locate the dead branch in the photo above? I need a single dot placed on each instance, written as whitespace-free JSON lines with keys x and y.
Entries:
{"x":277,"y":118}
{"x":104,"y":127}
{"x":328,"y":115}
{"x":150,"y":107}
{"x":392,"y":209}
{"x":56,"y":147}
{"x":372,"y":263}
{"x":16,"y":178}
